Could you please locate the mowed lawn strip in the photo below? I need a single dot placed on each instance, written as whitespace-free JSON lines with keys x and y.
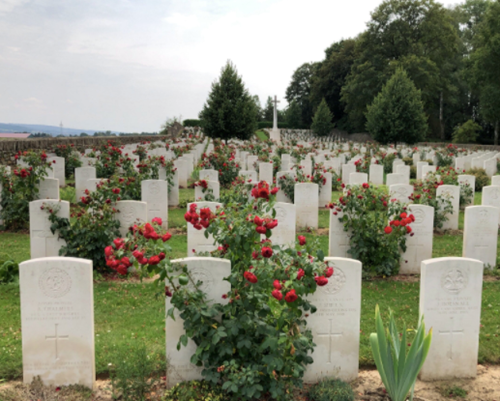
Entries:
{"x":127,"y":313}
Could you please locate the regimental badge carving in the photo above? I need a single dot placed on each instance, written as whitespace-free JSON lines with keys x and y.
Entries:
{"x":203,"y":275}
{"x":127,"y":214}
{"x":454,"y":280}
{"x":483,"y":217}
{"x":55,"y":283}
{"x":494,"y":193}
{"x":335,"y":282}
{"x":154,"y":188}
{"x":280,"y":213}
{"x":419,"y":215}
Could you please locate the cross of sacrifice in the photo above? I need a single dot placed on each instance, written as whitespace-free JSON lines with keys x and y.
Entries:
{"x":330,"y":336}
{"x":56,"y":338}
{"x":275,"y":114}
{"x":450,"y":333}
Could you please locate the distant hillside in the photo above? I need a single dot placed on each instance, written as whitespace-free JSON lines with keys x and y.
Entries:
{"x":48,"y":129}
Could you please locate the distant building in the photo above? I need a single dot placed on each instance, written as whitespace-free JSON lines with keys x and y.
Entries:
{"x":14,"y":135}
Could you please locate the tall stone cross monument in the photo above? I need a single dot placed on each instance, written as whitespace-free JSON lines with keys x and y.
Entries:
{"x":275,"y":132}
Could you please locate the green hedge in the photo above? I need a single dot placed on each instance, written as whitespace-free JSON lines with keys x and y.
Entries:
{"x":192,"y":123}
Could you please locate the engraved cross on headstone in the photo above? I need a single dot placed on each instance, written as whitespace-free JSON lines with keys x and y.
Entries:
{"x":275,"y":114}
{"x":330,"y":334}
{"x":56,"y":338}
{"x":451,"y":332}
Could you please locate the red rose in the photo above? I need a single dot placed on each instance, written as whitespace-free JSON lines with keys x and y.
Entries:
{"x":408,"y":229}
{"x":255,"y":255}
{"x":329,"y":272}
{"x":277,"y":284}
{"x":261,"y":229}
{"x":278,"y":295}
{"x":205,"y":213}
{"x":267,"y":252}
{"x":365,"y":185}
{"x":300,"y":274}
{"x":154,"y":260}
{"x":321,"y":280}
{"x":250,"y":277}
{"x":121,"y":269}
{"x":302,"y":240}
{"x":291,"y":296}
{"x":108,"y":251}
{"x":274,"y":191}
{"x":118,"y":243}
{"x":161,"y":255}
{"x":388,"y":230}
{"x":258,"y":221}
{"x":126,"y":261}
{"x":157,"y":220}
{"x":138,"y":254}
{"x":270,"y":224}
{"x":116,"y":190}
{"x":403,"y":215}
{"x":166,"y":237}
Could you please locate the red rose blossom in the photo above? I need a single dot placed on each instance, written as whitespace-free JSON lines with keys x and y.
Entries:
{"x":278,"y":295}
{"x":267,"y":252}
{"x":277,"y":284}
{"x":388,"y":230}
{"x":302,"y":240}
{"x":291,"y":296}
{"x":321,"y":280}
{"x":250,"y":277}
{"x":300,"y":274}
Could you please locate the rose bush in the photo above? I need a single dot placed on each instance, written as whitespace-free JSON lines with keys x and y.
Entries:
{"x":255,"y":343}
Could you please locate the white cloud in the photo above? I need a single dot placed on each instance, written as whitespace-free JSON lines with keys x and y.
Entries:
{"x":183,"y":21}
{"x":7,"y":6}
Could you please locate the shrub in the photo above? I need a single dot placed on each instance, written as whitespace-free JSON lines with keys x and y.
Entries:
{"x":374,"y":240}
{"x":20,"y":188}
{"x":482,"y":179}
{"x":397,"y":112}
{"x":322,"y":121}
{"x":413,"y":172}
{"x":71,"y":158}
{"x":269,"y":124}
{"x":227,"y":334}
{"x":192,"y":123}
{"x":331,"y":390}
{"x":9,"y":271}
{"x":467,"y":132}
{"x":132,"y":373}
{"x":387,"y":162}
{"x":408,"y":161}
{"x":195,"y":391}
{"x":222,"y":160}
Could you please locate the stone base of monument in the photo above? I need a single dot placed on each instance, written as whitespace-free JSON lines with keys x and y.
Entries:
{"x":275,"y":135}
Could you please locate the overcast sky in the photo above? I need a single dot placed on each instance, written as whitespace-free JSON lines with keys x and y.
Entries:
{"x":128,"y":65}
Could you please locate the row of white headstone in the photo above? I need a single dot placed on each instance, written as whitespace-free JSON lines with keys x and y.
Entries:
{"x":57,"y":316}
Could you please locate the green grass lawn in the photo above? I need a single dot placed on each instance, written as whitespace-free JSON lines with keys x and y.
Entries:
{"x":262,"y":135}
{"x":128,"y":313}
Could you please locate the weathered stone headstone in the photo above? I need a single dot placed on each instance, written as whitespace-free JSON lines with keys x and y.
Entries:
{"x":182,"y":172}
{"x":48,"y":188}
{"x":450,"y":301}
{"x":82,"y":174}
{"x":57,"y":320}
{"x":209,"y":175}
{"x":404,"y":170}
{"x":173,"y":190}
{"x":155,"y":194}
{"x":396,"y":163}
{"x":249,"y":175}
{"x":491,"y":197}
{"x":42,"y":242}
{"x":339,"y":240}
{"x":376,"y":174}
{"x":211,"y":272}
{"x":251,"y":162}
{"x":490,"y":166}
{"x":336,"y":324}
{"x":426,"y":170}
{"x":401,"y":192}
{"x":481,"y":234}
{"x":196,"y":241}
{"x":130,"y":213}
{"x":306,"y":203}
{"x":418,"y":246}
{"x":420,"y":167}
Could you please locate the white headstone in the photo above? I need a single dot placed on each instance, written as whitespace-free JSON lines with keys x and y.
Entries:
{"x":155,"y":194}
{"x":325,"y":193}
{"x":196,"y":241}
{"x":491,"y":197}
{"x":213,"y":188}
{"x":59,"y":169}
{"x":470,"y":182}
{"x":396,"y":163}
{"x":209,"y":175}
{"x":266,"y":172}
{"x":418,"y":245}
{"x":376,"y":174}
{"x":490,"y":166}
{"x":347,"y":169}
{"x":284,"y":232}
{"x":130,"y":213}
{"x":249,"y":175}
{"x":211,"y":272}
{"x":182,"y":171}
{"x":452,"y":193}
{"x":339,"y":240}
{"x":403,"y":169}
{"x":392,"y":179}
{"x":420,"y":166}
{"x":251,"y":162}
{"x":306,"y":201}
{"x":42,"y":242}
{"x":358,"y":178}
{"x":48,"y":188}
{"x":57,"y":320}
{"x":481,"y":234}
{"x":401,"y":192}
{"x":336,"y":324}
{"x":450,"y":301}
{"x":426,"y":170}
{"x":82,"y":174}
{"x":280,"y":195}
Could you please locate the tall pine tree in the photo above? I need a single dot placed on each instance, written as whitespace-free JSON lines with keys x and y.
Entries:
{"x":397,"y":112}
{"x":230,"y":111}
